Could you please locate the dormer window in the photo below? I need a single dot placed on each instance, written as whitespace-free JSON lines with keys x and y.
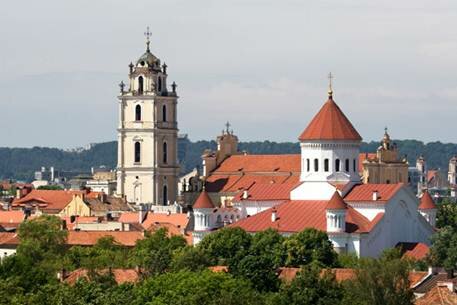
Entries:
{"x":142,"y":63}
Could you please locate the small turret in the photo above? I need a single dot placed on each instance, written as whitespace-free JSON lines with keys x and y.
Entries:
{"x":427,"y":208}
{"x":203,"y":208}
{"x":336,"y":214}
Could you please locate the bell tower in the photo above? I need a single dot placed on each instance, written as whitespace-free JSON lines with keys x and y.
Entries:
{"x":147,"y":167}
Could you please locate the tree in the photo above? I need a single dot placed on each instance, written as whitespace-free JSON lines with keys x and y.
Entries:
{"x":196,"y":288}
{"x":189,"y":258}
{"x":309,"y":246}
{"x":38,"y":256}
{"x":155,"y":252}
{"x":310,"y":287}
{"x":383,"y":281}
{"x":444,"y":248}
{"x":50,"y":187}
{"x":446,"y":215}
{"x":225,"y":246}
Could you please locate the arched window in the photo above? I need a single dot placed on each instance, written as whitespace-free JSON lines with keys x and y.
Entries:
{"x":354,"y":166}
{"x":346,"y":166}
{"x":165,"y":152}
{"x":165,"y":195}
{"x":316,"y":165}
{"x":140,"y":85}
{"x":337,"y":165}
{"x":308,"y":166}
{"x":326,"y":165}
{"x":164,"y":113}
{"x":159,"y":85}
{"x":137,"y":152}
{"x":137,"y":113}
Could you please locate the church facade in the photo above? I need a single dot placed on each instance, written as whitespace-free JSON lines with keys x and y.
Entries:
{"x":147,"y":167}
{"x":327,"y":194}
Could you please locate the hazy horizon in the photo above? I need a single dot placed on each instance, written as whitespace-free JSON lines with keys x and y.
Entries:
{"x":262,"y":65}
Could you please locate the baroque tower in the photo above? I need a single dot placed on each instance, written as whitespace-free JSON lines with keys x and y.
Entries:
{"x":147,"y":167}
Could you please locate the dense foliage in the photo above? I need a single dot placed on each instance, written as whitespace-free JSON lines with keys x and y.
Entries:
{"x":175,"y":273}
{"x":21,"y":163}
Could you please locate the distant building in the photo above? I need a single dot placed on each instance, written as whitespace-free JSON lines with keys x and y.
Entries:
{"x":386,"y":166}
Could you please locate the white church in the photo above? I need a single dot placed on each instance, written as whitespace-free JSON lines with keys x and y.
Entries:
{"x":359,"y":218}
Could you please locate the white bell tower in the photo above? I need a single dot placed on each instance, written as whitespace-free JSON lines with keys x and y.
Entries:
{"x":147,"y":167}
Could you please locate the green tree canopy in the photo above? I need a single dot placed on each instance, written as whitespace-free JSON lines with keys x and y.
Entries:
{"x":309,"y":246}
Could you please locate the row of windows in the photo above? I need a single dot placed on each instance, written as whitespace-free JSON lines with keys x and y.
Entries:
{"x":137,"y":154}
{"x":141,"y":84}
{"x":138,"y":113}
{"x":338,"y":165}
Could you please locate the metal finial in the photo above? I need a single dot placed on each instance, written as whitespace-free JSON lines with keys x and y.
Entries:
{"x":122,"y":86}
{"x":173,"y":86}
{"x":330,"y":84}
{"x":227,"y":125}
{"x":148,"y":35}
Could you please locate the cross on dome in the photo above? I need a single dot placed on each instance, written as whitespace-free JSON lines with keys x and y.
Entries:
{"x":330,"y":80}
{"x":148,"y":35}
{"x":227,"y":125}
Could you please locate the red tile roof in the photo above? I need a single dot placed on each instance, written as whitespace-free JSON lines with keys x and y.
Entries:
{"x":416,"y":251}
{"x":438,"y":295}
{"x":261,"y":191}
{"x":203,"y":201}
{"x":180,"y":220}
{"x":330,"y":123}
{"x":260,"y":163}
{"x":295,"y":216}
{"x":364,"y":192}
{"x":9,"y":238}
{"x":120,"y":275}
{"x":426,"y":202}
{"x":11,"y":217}
{"x":89,"y":238}
{"x":336,"y":202}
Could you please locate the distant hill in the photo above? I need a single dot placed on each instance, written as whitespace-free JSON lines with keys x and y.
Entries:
{"x":21,"y":163}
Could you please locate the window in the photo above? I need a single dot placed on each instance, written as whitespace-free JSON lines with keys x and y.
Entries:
{"x":137,"y":152}
{"x":165,"y":152}
{"x":354,"y":165}
{"x":316,"y":165}
{"x":308,"y":165}
{"x":165,"y":195}
{"x":164,"y":113}
{"x":140,"y":85}
{"x":159,"y":85}
{"x":337,"y":165}
{"x":326,"y":165}
{"x":346,"y":166}
{"x":137,"y":113}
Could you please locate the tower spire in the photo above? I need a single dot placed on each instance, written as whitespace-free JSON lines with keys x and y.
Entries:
{"x":148,"y":35}
{"x":330,"y":88}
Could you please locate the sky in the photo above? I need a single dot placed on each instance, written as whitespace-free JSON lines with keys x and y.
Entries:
{"x":260,"y":64}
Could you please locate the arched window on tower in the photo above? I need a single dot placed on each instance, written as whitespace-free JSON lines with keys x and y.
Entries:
{"x":137,"y":113}
{"x":346,"y":166}
{"x":164,"y":113}
{"x":137,"y":152}
{"x":326,"y":165}
{"x":308,"y":166}
{"x":354,"y":166}
{"x":159,"y":84}
{"x":316,"y":165}
{"x":140,"y":85}
{"x":165,"y":152}
{"x":337,"y":165}
{"x":165,"y":195}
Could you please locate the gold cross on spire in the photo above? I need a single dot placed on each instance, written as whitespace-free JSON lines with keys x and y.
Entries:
{"x":330,"y":83}
{"x":148,"y":35}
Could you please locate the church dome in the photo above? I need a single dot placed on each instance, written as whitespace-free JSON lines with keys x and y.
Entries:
{"x":149,"y":59}
{"x":330,"y":123}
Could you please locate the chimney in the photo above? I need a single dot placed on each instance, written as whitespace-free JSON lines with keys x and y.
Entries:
{"x":375,"y":195}
{"x":61,"y":275}
{"x":141,"y":214}
{"x":168,"y":212}
{"x":245,"y":194}
{"x":274,"y":215}
{"x":18,"y":193}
